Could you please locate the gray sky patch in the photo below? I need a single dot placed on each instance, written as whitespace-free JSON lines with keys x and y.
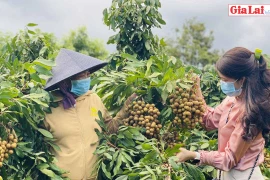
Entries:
{"x":60,"y":16}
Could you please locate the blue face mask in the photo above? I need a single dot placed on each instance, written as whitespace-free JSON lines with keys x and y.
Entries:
{"x":80,"y":87}
{"x":228,"y":88}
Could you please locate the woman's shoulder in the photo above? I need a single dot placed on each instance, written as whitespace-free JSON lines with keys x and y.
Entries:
{"x":227,"y":100}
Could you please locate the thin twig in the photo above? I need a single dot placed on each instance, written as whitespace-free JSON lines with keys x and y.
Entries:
{"x":110,"y":144}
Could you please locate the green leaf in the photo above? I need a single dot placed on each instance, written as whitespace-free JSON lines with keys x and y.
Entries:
{"x":35,"y":95}
{"x":193,"y":171}
{"x":118,"y":164}
{"x":146,"y":146}
{"x":40,"y":102}
{"x":6,"y":84}
{"x":168,"y":75}
{"x":28,"y":178}
{"x":172,"y":59}
{"x":129,"y":57}
{"x":164,"y":96}
{"x":114,"y":158}
{"x":19,"y":152}
{"x":43,"y":166}
{"x":42,"y":70}
{"x":185,"y":86}
{"x":128,"y":142}
{"x":105,"y":171}
{"x":209,"y":168}
{"x":180,"y":72}
{"x":155,"y":74}
{"x":169,"y":86}
{"x":147,"y":45}
{"x":127,"y":157}
{"x":31,"y":24}
{"x":152,"y":2}
{"x":172,"y":161}
{"x":123,"y":177}
{"x":140,"y":1}
{"x":134,"y":132}
{"x":35,"y":77}
{"x":31,"y":32}
{"x":149,"y":64}
{"x":139,"y":21}
{"x":127,"y":134}
{"x":48,"y":172}
{"x":105,"y":16}
{"x":193,"y":148}
{"x":108,"y":156}
{"x":45,"y":62}
{"x":149,"y":169}
{"x":161,"y":21}
{"x":204,"y":145}
{"x":45,"y":133}
{"x":57,"y":178}
{"x":143,"y":173}
{"x":139,"y":137}
{"x":172,"y":151}
{"x":148,"y":8}
{"x":54,"y":146}
{"x":194,"y":69}
{"x":111,"y":39}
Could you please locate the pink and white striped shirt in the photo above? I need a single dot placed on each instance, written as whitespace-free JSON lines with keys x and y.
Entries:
{"x":233,"y":152}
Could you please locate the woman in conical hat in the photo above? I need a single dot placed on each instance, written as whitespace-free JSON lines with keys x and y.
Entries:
{"x":72,"y":123}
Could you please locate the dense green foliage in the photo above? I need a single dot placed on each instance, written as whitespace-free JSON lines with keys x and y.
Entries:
{"x":130,"y":155}
{"x":23,"y":104}
{"x":28,"y":45}
{"x":134,"y":20}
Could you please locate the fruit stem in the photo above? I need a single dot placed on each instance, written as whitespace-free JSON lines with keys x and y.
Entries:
{"x":169,"y":127}
{"x":110,"y":144}
{"x":14,"y":133}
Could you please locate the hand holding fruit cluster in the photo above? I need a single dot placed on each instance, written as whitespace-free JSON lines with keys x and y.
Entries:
{"x":7,"y":147}
{"x":145,"y":115}
{"x":187,"y":107}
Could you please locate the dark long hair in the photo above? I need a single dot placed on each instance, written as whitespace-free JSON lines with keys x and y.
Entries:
{"x":237,"y":63}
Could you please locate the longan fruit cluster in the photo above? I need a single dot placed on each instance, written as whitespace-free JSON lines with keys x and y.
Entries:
{"x":7,"y":147}
{"x":141,"y":114}
{"x":187,"y":108}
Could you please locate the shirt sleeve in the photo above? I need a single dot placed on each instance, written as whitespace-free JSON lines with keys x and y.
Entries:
{"x":112,"y":123}
{"x":212,"y":116}
{"x":234,"y":151}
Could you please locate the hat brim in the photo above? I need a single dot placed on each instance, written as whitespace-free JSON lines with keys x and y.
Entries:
{"x":91,"y":69}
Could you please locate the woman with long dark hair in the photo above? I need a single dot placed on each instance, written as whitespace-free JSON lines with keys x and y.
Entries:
{"x":242,"y":119}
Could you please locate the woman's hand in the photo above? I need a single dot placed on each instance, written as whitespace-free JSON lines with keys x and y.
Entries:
{"x":123,"y":113}
{"x":199,"y":91}
{"x":185,"y":155}
{"x":130,"y":99}
{"x":198,"y":88}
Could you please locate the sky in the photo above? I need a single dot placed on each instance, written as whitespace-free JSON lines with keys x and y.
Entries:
{"x":61,"y":16}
